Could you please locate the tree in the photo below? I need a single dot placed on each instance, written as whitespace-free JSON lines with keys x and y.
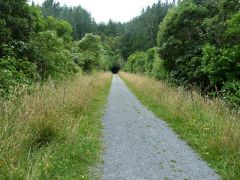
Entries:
{"x":50,"y":8}
{"x":180,"y":41}
{"x":92,"y":53}
{"x":140,"y":34}
{"x":52,"y":58}
{"x":78,"y":17}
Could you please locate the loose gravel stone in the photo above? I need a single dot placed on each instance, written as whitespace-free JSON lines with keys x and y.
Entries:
{"x":140,"y":146}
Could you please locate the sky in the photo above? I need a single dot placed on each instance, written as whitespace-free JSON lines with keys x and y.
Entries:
{"x":104,"y":10}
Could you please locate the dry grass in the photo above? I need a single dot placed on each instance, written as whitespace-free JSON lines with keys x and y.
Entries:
{"x":34,"y":129}
{"x":206,"y":125}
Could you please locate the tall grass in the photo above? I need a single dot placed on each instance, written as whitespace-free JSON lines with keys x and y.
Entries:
{"x":206,"y":125}
{"x":53,"y":133}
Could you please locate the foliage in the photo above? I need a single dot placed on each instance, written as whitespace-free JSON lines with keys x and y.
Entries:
{"x":198,"y":44}
{"x":111,"y":29}
{"x":221,"y":65}
{"x":148,"y":63}
{"x":79,"y":18}
{"x":52,"y":58}
{"x":158,"y":71}
{"x":92,"y":53}
{"x":63,"y":28}
{"x":38,"y":22}
{"x":15,"y":72}
{"x":136,"y":62}
{"x":188,"y":51}
{"x":35,"y":49}
{"x":16,"y":19}
{"x":179,"y":39}
{"x":231,"y":92}
{"x":140,"y":33}
{"x":16,"y":25}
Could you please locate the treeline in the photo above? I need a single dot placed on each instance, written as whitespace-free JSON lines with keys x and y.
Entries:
{"x":34,"y":48}
{"x":79,"y":18}
{"x":83,"y":23}
{"x":198,"y":43}
{"x":140,"y":33}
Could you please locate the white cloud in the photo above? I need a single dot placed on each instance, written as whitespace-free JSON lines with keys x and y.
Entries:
{"x":103,"y":10}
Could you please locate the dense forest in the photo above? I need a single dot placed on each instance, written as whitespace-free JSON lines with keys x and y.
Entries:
{"x":37,"y":44}
{"x":191,"y":42}
{"x":197,"y":44}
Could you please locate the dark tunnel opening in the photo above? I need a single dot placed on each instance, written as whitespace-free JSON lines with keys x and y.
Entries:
{"x":115,"y":69}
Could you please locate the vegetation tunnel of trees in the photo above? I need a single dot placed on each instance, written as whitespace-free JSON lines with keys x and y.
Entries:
{"x":188,"y":43}
{"x":115,"y":69}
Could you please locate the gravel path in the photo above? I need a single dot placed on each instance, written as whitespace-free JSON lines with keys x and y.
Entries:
{"x":141,"y":146}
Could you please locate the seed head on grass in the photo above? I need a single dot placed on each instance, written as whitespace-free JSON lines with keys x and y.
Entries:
{"x":38,"y":127}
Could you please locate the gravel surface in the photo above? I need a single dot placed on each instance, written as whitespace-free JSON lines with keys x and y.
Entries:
{"x":141,"y":146}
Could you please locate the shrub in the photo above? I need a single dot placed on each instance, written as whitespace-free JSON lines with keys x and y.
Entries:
{"x":158,"y":71}
{"x":52,"y":58}
{"x":15,"y":72}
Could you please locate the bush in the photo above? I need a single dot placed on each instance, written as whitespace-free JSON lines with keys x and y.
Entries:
{"x":15,"y":72}
{"x":151,"y":56}
{"x":231,"y":92}
{"x":52,"y":57}
{"x":221,"y":65}
{"x":158,"y":71}
{"x":136,"y":62}
{"x":92,"y":55}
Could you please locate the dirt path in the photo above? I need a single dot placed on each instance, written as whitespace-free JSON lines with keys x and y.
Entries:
{"x":141,"y":146}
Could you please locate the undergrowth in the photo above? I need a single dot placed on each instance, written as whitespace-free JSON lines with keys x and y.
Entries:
{"x":208,"y":126}
{"x":55,"y":132}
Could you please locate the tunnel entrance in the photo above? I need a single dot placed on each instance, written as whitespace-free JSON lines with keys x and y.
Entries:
{"x":115,"y":69}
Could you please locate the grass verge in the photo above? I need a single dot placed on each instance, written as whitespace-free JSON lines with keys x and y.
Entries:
{"x":206,"y":125}
{"x":54,"y":133}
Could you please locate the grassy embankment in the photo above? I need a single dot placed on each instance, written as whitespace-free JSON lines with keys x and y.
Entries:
{"x":54,"y":133}
{"x":206,"y":125}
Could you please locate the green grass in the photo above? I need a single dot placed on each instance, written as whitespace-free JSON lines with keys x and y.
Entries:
{"x":54,"y":138}
{"x":206,"y":125}
{"x":73,"y":160}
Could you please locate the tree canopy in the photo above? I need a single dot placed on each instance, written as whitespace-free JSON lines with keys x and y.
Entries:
{"x":198,"y":44}
{"x":191,"y":42}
